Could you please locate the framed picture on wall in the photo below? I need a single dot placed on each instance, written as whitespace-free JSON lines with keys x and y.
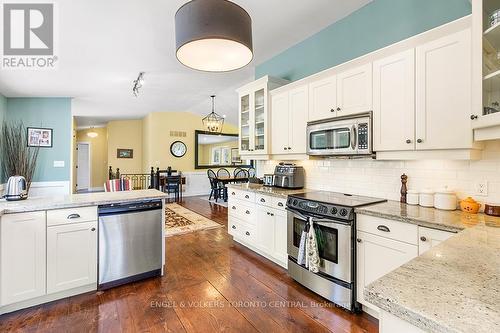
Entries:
{"x":124,"y":153}
{"x":235,"y":156}
{"x":39,"y":137}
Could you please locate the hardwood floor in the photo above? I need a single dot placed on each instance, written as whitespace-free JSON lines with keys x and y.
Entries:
{"x":211,"y":285}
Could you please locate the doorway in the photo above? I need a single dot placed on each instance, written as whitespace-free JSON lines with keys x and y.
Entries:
{"x":83,"y":167}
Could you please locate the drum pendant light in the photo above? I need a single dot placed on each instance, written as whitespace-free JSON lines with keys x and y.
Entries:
{"x":213,"y":35}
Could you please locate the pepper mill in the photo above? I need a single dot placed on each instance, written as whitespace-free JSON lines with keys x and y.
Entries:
{"x":404,"y":189}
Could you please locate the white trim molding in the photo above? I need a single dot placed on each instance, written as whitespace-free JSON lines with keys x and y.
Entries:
{"x":45,"y":189}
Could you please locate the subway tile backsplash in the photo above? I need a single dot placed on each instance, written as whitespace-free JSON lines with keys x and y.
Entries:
{"x":382,"y":178}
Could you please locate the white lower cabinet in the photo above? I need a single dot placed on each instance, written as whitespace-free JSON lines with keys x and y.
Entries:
{"x":22,"y":248}
{"x":378,"y":256}
{"x":428,"y":238}
{"x":265,"y":231}
{"x":71,"y":256}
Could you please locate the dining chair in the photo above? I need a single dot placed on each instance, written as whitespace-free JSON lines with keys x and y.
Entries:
{"x":236,"y":171}
{"x":241,"y":174}
{"x":216,"y":189}
{"x":223,"y":173}
{"x":251,"y":172}
{"x":173,"y":185}
{"x":117,"y":185}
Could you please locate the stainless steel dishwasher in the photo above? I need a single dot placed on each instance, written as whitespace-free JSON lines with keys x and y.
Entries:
{"x":130,"y":242}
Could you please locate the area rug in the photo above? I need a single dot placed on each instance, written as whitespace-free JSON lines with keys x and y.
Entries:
{"x":180,"y":220}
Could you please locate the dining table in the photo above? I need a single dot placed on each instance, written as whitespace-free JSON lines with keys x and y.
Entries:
{"x":230,"y":179}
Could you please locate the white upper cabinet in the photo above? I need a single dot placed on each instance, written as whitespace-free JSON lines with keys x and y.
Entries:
{"x":354,"y":90}
{"x":323,"y":98}
{"x":289,"y":121}
{"x":280,"y":123}
{"x":394,"y":102}
{"x":254,"y":115}
{"x":23,"y":259}
{"x":443,"y":93}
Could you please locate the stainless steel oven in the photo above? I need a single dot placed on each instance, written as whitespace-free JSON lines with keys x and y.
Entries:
{"x":334,"y":243}
{"x":344,"y":136}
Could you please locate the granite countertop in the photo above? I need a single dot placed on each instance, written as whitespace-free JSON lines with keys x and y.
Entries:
{"x":428,"y":217}
{"x":77,"y":200}
{"x":268,"y":190}
{"x":454,"y":287}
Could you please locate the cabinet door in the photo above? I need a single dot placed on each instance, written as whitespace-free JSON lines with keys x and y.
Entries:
{"x":259,"y":121}
{"x":428,"y":238}
{"x":23,"y":264}
{"x":443,"y":93}
{"x":264,"y":230}
{"x":378,"y":256}
{"x":71,"y":256}
{"x":280,"y":237}
{"x":298,"y":120}
{"x":354,"y":90}
{"x":244,"y":122}
{"x":279,"y":123}
{"x":394,"y":102}
{"x":323,"y":98}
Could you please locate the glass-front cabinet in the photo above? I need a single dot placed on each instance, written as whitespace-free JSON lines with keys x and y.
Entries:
{"x":254,"y":115}
{"x":485,"y":114}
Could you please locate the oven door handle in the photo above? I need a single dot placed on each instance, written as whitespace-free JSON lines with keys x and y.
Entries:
{"x":353,"y":137}
{"x":318,"y":219}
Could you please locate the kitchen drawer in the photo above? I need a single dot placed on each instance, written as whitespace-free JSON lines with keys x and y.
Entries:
{"x":71,"y":215}
{"x":242,"y":210}
{"x":400,"y":231}
{"x":264,"y":200}
{"x":242,"y":230}
{"x":279,"y":203}
{"x":241,"y":195}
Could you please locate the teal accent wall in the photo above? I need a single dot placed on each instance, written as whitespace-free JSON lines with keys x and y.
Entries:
{"x":374,"y":26}
{"x":3,"y":108}
{"x":52,"y":113}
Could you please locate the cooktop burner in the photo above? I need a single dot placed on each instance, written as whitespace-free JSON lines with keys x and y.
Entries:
{"x":330,"y":204}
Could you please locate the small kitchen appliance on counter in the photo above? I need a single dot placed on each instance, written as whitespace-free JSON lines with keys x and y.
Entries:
{"x":268,"y":179}
{"x":334,"y":220}
{"x":289,"y":176}
{"x":16,"y":189}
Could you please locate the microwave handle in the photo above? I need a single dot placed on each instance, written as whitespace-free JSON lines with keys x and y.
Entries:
{"x":354,"y":138}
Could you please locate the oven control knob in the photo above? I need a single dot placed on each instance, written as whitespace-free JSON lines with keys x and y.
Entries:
{"x":295,"y":202}
{"x":334,"y":210}
{"x":343,"y":212}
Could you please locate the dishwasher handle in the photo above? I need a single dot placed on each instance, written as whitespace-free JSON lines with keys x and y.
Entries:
{"x":132,"y":207}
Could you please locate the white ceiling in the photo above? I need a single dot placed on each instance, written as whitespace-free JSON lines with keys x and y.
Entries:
{"x":103,"y":45}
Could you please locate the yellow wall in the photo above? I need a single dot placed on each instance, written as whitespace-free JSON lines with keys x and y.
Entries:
{"x":157,"y":139}
{"x":98,"y":155}
{"x":125,"y":134}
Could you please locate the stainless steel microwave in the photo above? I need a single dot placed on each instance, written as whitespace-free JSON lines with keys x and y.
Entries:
{"x":341,"y":136}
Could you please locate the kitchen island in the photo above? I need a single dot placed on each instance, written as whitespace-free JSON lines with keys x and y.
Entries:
{"x":49,"y":245}
{"x":452,"y":287}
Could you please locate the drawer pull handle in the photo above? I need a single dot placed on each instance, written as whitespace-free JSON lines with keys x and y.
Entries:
{"x":247,"y":233}
{"x":247,"y":197}
{"x":262,"y":200}
{"x":73,"y":216}
{"x":271,"y":214}
{"x":232,"y":193}
{"x":268,"y":213}
{"x":234,"y":227}
{"x":93,"y":229}
{"x":359,"y":240}
{"x":247,"y":212}
{"x":233,"y":207}
{"x":383,"y":228}
{"x":423,"y":239}
{"x":280,"y":204}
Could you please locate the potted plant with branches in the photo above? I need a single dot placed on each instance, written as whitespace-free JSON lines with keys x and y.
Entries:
{"x":17,"y":158}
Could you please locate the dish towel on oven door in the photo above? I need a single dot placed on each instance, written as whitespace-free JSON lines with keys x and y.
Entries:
{"x":308,"y":249}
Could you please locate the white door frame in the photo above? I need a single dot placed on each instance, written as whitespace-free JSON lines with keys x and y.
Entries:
{"x":89,"y":159}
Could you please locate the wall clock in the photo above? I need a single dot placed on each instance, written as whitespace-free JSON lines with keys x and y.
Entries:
{"x":178,"y":148}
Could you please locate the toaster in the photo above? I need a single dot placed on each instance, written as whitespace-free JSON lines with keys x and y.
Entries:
{"x":16,"y":188}
{"x":289,"y":176}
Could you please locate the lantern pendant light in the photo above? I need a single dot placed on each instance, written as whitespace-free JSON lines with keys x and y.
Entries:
{"x":213,"y":35}
{"x":213,"y":122}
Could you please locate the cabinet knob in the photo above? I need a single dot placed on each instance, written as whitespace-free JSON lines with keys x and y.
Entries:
{"x":232,"y":193}
{"x":332,"y":110}
{"x":408,"y":141}
{"x":280,"y":204}
{"x":289,"y":148}
{"x":338,"y":109}
{"x":247,"y":197}
{"x":358,"y":240}
{"x":247,"y":233}
{"x":268,"y":213}
{"x":93,"y":229}
{"x":423,"y":239}
{"x":474,"y":116}
{"x":271,"y":214}
{"x":234,"y":227}
{"x":233,"y":207}
{"x":420,"y":141}
{"x":262,"y":200}
{"x":247,"y":212}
